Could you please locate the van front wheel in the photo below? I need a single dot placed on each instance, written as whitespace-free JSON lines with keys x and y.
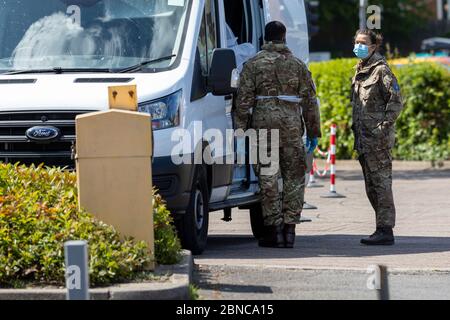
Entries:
{"x":194,"y":227}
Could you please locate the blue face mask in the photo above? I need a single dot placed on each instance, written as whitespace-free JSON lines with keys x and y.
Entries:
{"x":361,"y":51}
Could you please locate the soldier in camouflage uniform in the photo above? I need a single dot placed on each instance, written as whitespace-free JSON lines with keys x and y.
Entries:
{"x":377,"y":103}
{"x":278,"y":86}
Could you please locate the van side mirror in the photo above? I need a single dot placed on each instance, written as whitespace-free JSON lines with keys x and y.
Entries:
{"x":221,"y":72}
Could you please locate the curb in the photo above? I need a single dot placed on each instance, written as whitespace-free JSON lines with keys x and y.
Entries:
{"x":176,"y":288}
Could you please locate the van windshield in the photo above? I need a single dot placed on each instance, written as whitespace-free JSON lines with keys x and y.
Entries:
{"x":87,"y":34}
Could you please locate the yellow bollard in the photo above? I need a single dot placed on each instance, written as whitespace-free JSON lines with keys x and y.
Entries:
{"x":113,"y":162}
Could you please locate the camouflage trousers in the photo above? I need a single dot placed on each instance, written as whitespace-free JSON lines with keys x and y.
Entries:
{"x":377,"y":169}
{"x":285,"y":207}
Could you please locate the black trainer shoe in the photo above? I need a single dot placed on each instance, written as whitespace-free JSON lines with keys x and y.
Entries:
{"x":274,"y":237}
{"x":382,"y":236}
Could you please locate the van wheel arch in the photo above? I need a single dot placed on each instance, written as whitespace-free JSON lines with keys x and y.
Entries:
{"x":193,"y":225}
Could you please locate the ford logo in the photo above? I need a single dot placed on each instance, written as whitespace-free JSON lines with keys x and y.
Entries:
{"x":43,"y":133}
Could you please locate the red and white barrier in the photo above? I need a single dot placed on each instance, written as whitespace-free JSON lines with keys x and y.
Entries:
{"x":333,"y":193}
{"x":325,"y":171}
{"x":323,"y":153}
{"x":312,"y":183}
{"x":333,"y":158}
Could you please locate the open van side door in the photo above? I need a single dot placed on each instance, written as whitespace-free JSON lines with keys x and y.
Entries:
{"x":293,"y":14}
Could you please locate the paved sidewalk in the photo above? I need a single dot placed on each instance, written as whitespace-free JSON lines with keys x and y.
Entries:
{"x":331,"y":240}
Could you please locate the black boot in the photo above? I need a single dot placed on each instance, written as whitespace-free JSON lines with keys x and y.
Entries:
{"x":289,"y":235}
{"x":382,"y":236}
{"x":273,"y":238}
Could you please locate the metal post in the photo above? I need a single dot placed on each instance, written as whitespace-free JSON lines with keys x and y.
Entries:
{"x":448,"y":10}
{"x":77,"y":272}
{"x":378,"y":280}
{"x":439,"y":10}
{"x":362,"y":14}
{"x":383,"y":293}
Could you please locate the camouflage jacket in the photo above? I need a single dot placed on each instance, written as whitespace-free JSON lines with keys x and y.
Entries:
{"x":377,"y":103}
{"x":276,"y":71}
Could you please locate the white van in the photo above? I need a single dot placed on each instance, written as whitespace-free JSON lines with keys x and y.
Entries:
{"x":58,"y":57}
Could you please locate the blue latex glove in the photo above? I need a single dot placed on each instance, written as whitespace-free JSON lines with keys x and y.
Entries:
{"x":311,"y":144}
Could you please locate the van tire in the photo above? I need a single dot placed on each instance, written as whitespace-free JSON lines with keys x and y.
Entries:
{"x":257,"y":221}
{"x":193,"y":227}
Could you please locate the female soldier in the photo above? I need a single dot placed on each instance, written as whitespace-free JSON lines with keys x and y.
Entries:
{"x":377,"y":103}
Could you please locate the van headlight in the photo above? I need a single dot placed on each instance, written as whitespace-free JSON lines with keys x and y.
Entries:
{"x":165,"y":112}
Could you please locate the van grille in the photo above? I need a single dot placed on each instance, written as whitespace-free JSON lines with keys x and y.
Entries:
{"x":16,"y":147}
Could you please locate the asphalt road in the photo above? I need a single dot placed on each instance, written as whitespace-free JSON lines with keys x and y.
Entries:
{"x":328,"y":262}
{"x":241,"y":283}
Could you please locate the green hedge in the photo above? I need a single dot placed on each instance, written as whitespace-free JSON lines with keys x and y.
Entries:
{"x":423,"y":129}
{"x":333,"y":82}
{"x":424,"y":125}
{"x":39,"y":212}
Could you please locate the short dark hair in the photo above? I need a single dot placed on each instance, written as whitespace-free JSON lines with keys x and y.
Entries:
{"x":275,"y":31}
{"x":375,"y":38}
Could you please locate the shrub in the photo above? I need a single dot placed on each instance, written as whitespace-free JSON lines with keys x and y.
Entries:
{"x":423,"y":128}
{"x":424,"y":125}
{"x":333,"y":82}
{"x":39,"y":212}
{"x":167,"y":244}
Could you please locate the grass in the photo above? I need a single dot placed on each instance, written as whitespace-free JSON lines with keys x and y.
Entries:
{"x":193,"y":292}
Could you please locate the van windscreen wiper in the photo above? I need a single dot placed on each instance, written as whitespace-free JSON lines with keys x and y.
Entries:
{"x":139,"y":66}
{"x":58,"y":70}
